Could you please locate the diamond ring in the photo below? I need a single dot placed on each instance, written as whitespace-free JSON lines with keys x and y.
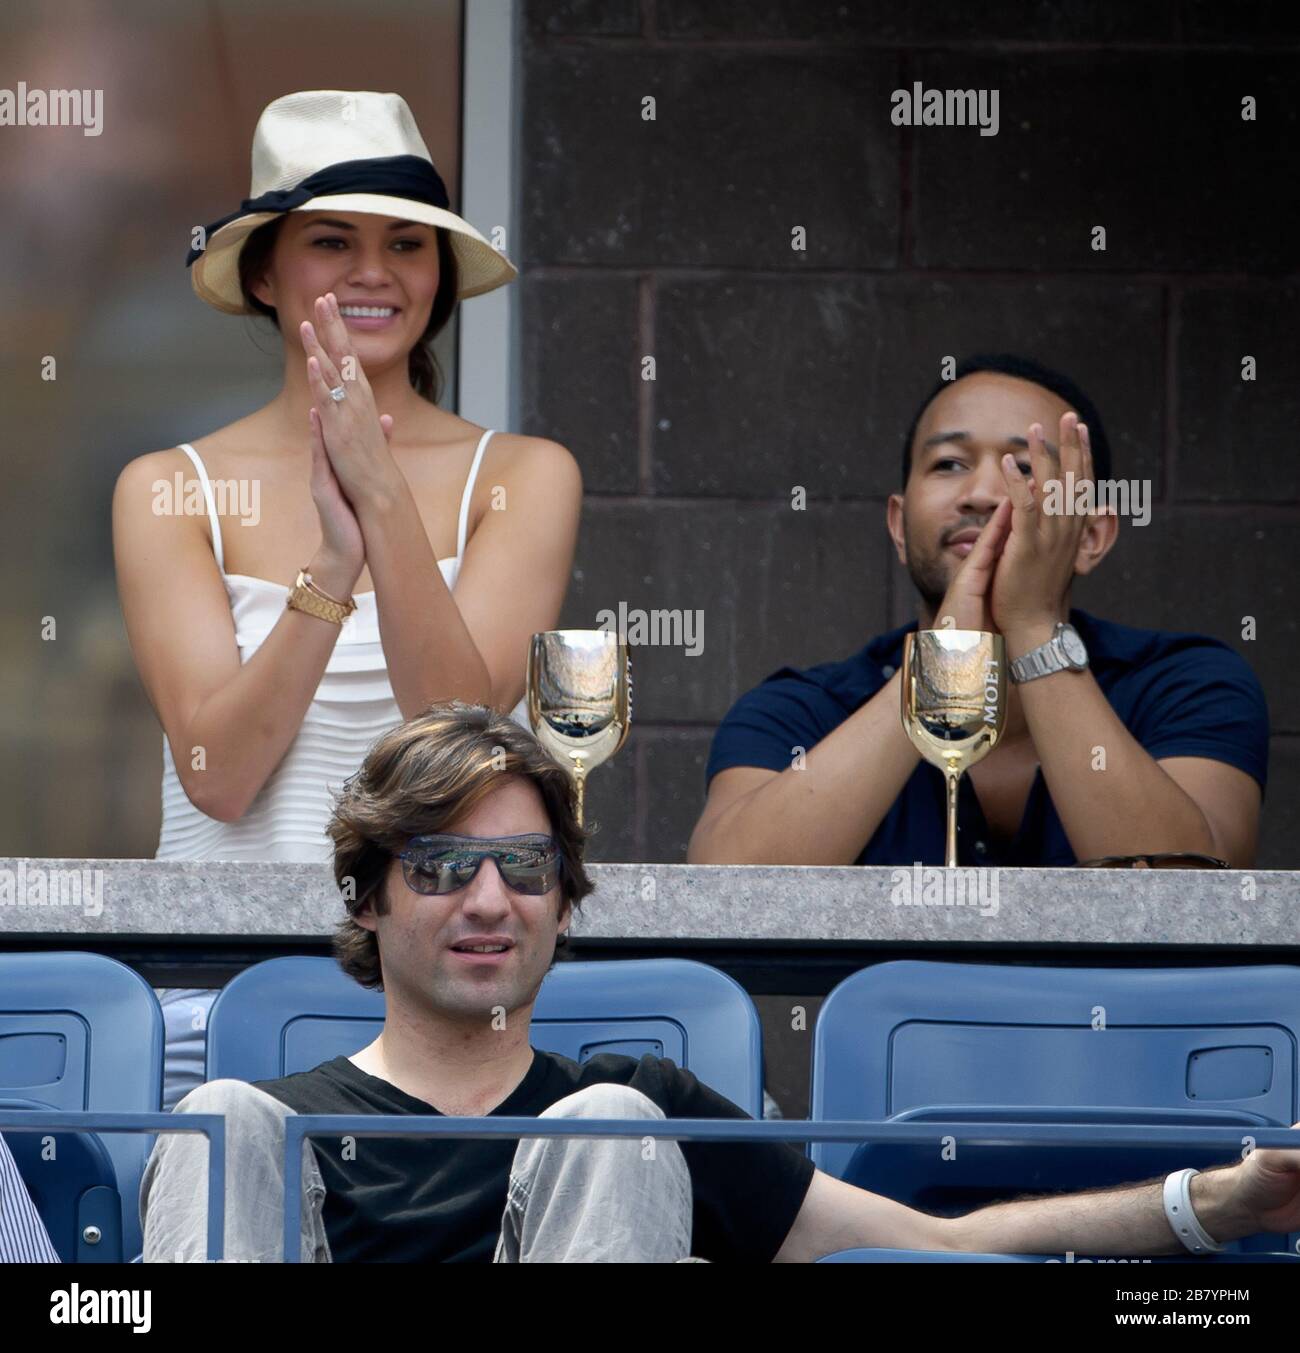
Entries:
{"x":338,"y":394}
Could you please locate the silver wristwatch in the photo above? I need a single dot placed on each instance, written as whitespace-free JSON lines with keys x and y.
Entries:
{"x":1064,"y":651}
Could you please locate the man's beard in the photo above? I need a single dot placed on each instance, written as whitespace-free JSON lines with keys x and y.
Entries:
{"x":929,"y":572}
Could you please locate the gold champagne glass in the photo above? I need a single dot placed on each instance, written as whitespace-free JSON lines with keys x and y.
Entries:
{"x":954,"y":703}
{"x":579,"y":698}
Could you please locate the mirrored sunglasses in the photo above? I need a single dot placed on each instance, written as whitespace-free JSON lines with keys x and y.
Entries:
{"x":443,"y":863}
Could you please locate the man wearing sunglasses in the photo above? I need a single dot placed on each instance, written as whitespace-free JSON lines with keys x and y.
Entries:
{"x":459,"y":853}
{"x":1118,"y":741}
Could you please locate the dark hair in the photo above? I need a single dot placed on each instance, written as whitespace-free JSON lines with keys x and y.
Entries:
{"x":418,"y":778}
{"x":1026,"y":369}
{"x":425,"y":374}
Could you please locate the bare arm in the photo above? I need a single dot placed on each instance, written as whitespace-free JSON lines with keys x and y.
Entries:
{"x":516,"y":567}
{"x":1129,"y":1220}
{"x":826,"y":811}
{"x":1258,"y":1194}
{"x":430,"y":652}
{"x":823,"y":812}
{"x":512,"y":582}
{"x":228,"y":724}
{"x":1134,"y":804}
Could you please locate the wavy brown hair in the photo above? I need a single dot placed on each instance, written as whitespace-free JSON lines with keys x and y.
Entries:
{"x":422,"y":365}
{"x":420,"y":777}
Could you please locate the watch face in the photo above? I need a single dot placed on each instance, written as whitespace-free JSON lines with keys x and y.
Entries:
{"x":1074,"y":648}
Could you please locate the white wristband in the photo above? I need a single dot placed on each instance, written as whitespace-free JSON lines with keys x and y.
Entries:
{"x":1178,"y":1210}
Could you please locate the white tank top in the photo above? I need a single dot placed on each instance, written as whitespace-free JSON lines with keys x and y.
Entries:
{"x":353,"y":705}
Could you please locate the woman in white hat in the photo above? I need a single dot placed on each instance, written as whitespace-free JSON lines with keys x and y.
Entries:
{"x":350,"y":553}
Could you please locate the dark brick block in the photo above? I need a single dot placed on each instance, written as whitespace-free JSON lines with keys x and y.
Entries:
{"x":903,"y":598}
{"x":582,"y":372}
{"x":597,"y":18}
{"x":1237,"y":438}
{"x":1279,"y":832}
{"x":674,"y":790}
{"x":745,"y":147}
{"x":1202,"y":571}
{"x":762,"y":385}
{"x":1150,"y":146}
{"x":886,"y":22}
{"x":776,"y":587}
{"x":611,"y":806}
{"x":1272,"y":21}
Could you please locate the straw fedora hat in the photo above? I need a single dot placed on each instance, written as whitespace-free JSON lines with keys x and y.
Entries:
{"x":350,"y":150}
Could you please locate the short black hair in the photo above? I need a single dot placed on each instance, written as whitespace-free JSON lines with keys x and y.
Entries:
{"x":1026,"y":369}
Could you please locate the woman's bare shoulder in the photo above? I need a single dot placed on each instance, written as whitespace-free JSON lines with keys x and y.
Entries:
{"x":212,"y":449}
{"x":149,"y":504}
{"x":156,"y":494}
{"x":532,"y":469}
{"x":163,"y":461}
{"x":443,"y":452}
{"x":537,"y":469}
{"x":142,"y":479}
{"x":533,"y":458}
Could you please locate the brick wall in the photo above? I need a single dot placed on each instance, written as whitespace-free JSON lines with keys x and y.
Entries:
{"x":671,"y":238}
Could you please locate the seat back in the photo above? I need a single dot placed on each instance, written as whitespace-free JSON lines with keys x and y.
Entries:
{"x":944,"y":1043}
{"x":73,"y":1185}
{"x":292,"y":1014}
{"x":82,"y":1032}
{"x":907,"y":1036}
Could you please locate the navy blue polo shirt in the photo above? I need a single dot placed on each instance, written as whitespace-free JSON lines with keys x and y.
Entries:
{"x":1177,"y":694}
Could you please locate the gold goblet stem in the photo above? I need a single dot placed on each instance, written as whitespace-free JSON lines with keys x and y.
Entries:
{"x":950,"y":854}
{"x":580,"y":784}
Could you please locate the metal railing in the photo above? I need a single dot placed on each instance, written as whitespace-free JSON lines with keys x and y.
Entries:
{"x":211,"y":1125}
{"x":299,"y":1127}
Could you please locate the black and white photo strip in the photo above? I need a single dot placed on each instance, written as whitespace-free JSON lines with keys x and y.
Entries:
{"x":649,"y":632}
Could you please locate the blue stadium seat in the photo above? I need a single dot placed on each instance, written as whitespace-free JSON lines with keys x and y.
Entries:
{"x":78,"y":1201}
{"x":81,"y":1032}
{"x":944,"y":1042}
{"x":292,"y":1014}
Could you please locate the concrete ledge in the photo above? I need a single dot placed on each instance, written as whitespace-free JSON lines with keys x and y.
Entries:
{"x":156,"y":899}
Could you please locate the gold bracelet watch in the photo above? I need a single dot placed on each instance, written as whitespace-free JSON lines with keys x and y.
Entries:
{"x":312,"y":600}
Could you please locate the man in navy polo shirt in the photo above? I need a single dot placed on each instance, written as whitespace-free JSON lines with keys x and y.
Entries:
{"x":1118,"y":741}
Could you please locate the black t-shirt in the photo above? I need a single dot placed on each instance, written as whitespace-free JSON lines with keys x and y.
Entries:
{"x":440,"y":1200}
